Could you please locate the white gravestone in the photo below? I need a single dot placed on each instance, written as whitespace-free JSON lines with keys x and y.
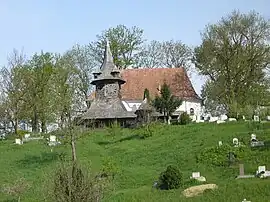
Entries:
{"x":219,"y":143}
{"x":253,"y":137}
{"x":52,"y":138}
{"x":196,"y":175}
{"x":220,"y":121}
{"x":18,"y":141}
{"x":256,"y":118}
{"x":223,"y":117}
{"x":235,"y":142}
{"x":26,"y":136}
{"x":261,"y":169}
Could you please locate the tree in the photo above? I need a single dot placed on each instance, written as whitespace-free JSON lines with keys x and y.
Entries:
{"x":170,"y":54}
{"x":13,"y":88}
{"x":41,"y":92}
{"x":234,"y":56}
{"x":125,"y":43}
{"x":151,"y":55}
{"x":66,"y":87}
{"x":176,"y":54}
{"x":166,"y":103}
{"x":84,"y":64}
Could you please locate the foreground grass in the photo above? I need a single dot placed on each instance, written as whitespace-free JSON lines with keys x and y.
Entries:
{"x":140,"y":161}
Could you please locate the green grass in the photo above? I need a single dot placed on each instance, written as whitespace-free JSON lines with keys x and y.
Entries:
{"x":140,"y":161}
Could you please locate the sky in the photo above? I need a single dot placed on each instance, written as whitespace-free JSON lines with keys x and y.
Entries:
{"x":56,"y":25}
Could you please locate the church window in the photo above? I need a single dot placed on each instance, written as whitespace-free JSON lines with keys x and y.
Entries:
{"x":191,"y":111}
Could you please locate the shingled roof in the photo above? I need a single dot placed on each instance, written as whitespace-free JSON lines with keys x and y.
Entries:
{"x":152,"y":79}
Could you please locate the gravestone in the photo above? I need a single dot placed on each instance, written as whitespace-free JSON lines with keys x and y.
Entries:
{"x":256,"y":118}
{"x":18,"y":141}
{"x":257,"y":144}
{"x":235,"y":142}
{"x":52,"y":138}
{"x":27,"y":136}
{"x":232,"y":119}
{"x":196,"y":175}
{"x":253,"y":138}
{"x":261,"y":169}
{"x":219,"y":143}
{"x":241,"y":170}
{"x":231,"y":158}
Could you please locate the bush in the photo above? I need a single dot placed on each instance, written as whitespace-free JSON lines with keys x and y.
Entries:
{"x":145,"y":131}
{"x":171,"y":178}
{"x":109,"y":168}
{"x":184,"y":119}
{"x":114,"y":129}
{"x":254,"y":125}
{"x":149,"y":129}
{"x":73,"y":185}
{"x":21,"y":133}
{"x":219,"y":155}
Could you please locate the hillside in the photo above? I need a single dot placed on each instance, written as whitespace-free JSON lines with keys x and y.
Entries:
{"x":140,"y":161}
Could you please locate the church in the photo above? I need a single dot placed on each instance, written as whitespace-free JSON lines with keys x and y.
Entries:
{"x":119,"y":93}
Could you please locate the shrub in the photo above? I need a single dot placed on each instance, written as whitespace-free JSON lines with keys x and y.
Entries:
{"x":109,"y":168}
{"x":145,"y":131}
{"x":171,"y":178}
{"x":219,"y":155}
{"x":184,"y":119}
{"x":114,"y":129}
{"x":17,"y":189}
{"x":254,"y":125}
{"x":21,"y":133}
{"x":72,"y":184}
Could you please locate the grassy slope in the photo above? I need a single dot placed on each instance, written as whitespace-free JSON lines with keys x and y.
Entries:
{"x":141,"y":161}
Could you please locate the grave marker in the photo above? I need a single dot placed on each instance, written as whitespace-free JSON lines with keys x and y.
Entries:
{"x":196,"y":175}
{"x":241,"y":170}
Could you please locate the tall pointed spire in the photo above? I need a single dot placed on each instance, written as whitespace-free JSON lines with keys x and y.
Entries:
{"x":108,"y":70}
{"x":107,"y":64}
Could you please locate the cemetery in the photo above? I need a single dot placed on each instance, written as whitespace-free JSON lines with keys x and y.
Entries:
{"x":222,"y":160}
{"x":130,"y":118}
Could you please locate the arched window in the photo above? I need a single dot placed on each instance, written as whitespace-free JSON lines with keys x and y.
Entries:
{"x":191,"y":111}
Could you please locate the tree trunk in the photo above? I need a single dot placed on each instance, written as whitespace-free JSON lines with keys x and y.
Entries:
{"x":15,"y":126}
{"x":35,"y":121}
{"x":73,"y":148}
{"x":43,"y":126}
{"x":164,"y":117}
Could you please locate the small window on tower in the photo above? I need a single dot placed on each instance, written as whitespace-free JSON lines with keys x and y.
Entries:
{"x":191,"y":111}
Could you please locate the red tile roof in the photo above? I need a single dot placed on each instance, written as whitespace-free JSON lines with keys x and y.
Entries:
{"x":139,"y":79}
{"x":152,"y":79}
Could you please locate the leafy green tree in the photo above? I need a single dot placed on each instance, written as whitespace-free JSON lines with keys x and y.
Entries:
{"x":166,"y":103}
{"x":41,"y":93}
{"x":125,"y":43}
{"x":65,"y":86}
{"x":234,"y":56}
{"x":13,"y":89}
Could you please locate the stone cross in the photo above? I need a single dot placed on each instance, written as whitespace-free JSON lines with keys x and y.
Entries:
{"x":241,"y":170}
